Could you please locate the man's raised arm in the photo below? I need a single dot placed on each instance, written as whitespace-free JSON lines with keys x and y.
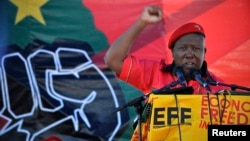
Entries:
{"x":120,"y":48}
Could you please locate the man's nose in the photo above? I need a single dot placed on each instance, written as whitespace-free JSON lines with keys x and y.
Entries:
{"x":189,"y":52}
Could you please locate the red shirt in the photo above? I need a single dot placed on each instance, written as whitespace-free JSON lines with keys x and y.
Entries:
{"x":146,"y":75}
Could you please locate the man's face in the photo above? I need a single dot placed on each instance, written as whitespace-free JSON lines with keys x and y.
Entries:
{"x":189,"y":52}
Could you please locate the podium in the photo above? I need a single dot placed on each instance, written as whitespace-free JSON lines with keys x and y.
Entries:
{"x":185,"y":117}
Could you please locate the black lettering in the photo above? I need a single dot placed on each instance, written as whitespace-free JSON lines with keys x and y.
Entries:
{"x":157,"y":116}
{"x":184,"y":114}
{"x":171,"y":115}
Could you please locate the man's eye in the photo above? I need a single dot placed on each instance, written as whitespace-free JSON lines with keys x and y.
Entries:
{"x":182,"y":48}
{"x":196,"y":48}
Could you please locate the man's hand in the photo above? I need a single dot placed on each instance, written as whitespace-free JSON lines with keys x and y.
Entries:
{"x":115,"y":55}
{"x":151,"y":14}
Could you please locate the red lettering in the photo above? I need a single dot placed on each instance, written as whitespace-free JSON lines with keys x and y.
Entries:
{"x":204,"y":100}
{"x":224,"y":103}
{"x":214,"y":114}
{"x":246,"y":106}
{"x":242,"y":118}
{"x":223,"y":116}
{"x":204,"y":124}
{"x":200,"y":124}
{"x":204,"y":112}
{"x":231,"y":117}
{"x":213,"y":102}
{"x":236,"y":105}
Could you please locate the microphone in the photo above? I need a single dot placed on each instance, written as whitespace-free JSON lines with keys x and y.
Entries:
{"x":178,"y":71}
{"x":196,"y":75}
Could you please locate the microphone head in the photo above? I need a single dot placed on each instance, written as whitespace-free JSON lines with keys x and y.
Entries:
{"x":178,"y":69}
{"x":193,"y":72}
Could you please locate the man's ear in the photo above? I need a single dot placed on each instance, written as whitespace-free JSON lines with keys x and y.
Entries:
{"x":205,"y":49}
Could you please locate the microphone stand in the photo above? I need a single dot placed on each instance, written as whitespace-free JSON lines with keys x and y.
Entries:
{"x":137,"y":103}
{"x":165,"y":88}
{"x":232,"y":86}
{"x":138,"y":100}
{"x":139,"y":109}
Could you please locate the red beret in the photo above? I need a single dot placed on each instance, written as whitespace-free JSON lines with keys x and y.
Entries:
{"x":185,"y":29}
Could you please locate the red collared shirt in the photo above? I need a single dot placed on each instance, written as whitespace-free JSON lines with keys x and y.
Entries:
{"x":146,"y":75}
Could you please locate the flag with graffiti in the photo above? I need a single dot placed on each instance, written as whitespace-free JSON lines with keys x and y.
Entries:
{"x":54,"y":83}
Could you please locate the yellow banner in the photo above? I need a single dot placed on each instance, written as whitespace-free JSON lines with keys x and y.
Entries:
{"x":186,"y":117}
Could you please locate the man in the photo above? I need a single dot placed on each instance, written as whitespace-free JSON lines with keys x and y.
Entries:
{"x":187,"y":45}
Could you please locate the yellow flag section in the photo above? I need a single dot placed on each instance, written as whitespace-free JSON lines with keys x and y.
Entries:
{"x":186,"y":117}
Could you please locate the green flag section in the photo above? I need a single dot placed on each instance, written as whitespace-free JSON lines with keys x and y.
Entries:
{"x":50,"y":19}
{"x":54,"y":83}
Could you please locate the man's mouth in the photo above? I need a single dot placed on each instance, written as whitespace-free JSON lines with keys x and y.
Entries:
{"x":189,"y":64}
